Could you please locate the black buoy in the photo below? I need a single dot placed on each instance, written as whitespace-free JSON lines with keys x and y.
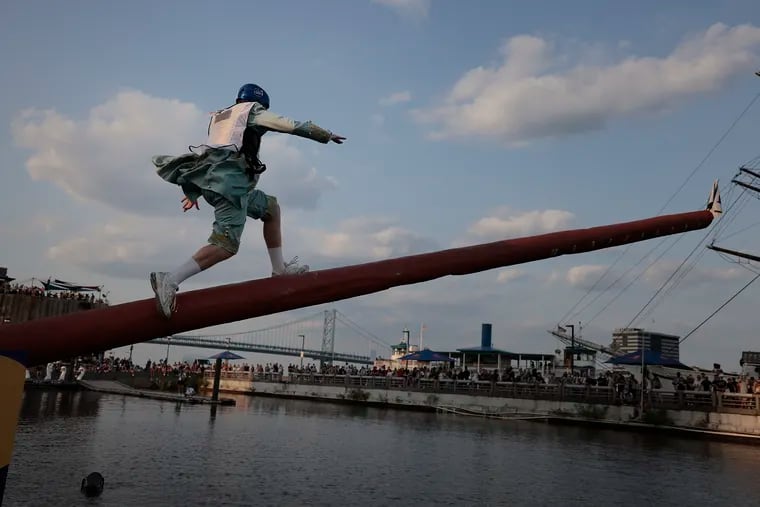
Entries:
{"x":92,"y":485}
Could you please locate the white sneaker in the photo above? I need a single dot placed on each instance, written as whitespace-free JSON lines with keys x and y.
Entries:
{"x":292,"y":268}
{"x":166,"y":293}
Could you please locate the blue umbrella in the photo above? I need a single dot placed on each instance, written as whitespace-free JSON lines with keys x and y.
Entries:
{"x":650,"y":357}
{"x":226,"y":355}
{"x":425,"y":356}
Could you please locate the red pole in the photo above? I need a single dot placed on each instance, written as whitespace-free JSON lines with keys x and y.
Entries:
{"x":50,"y":339}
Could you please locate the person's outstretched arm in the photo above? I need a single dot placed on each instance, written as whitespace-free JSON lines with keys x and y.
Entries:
{"x":307,"y":129}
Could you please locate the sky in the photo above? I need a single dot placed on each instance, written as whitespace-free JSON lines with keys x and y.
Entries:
{"x":465,"y":123}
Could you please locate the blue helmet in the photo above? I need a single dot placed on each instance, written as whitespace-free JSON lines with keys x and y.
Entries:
{"x":253,"y":93}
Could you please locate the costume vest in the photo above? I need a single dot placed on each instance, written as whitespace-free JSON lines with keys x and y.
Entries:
{"x":227,"y":126}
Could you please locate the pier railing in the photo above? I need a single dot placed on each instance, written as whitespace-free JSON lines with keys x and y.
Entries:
{"x":704,"y":401}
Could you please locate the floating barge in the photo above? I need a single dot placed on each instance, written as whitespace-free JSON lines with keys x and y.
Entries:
{"x":113,"y":387}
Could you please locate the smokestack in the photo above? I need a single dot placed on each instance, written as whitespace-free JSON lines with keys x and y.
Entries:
{"x":485,"y":336}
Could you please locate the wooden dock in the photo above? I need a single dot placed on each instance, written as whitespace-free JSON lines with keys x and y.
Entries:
{"x":113,"y":387}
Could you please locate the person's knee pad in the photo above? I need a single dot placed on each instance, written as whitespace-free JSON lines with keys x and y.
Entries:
{"x":226,"y":240}
{"x":271,"y":205}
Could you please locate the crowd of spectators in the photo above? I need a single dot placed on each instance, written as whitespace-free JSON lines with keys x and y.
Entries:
{"x":619,"y":379}
{"x":39,"y":292}
{"x":623,"y":382}
{"x":715,"y":382}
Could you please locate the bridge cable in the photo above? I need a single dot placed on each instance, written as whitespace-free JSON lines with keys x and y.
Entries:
{"x":356,"y":327}
{"x":270,"y":328}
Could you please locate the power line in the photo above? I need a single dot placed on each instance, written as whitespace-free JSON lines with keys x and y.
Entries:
{"x":670,"y":199}
{"x":720,"y":225}
{"x":623,"y":275}
{"x":712,"y":150}
{"x":570,"y":311}
{"x":720,"y":307}
{"x":704,"y":238}
{"x":634,"y":280}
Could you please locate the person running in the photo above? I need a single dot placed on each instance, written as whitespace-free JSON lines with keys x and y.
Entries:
{"x":225,"y":172}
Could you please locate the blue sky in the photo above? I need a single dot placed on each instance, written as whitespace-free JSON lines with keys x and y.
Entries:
{"x":465,"y":123}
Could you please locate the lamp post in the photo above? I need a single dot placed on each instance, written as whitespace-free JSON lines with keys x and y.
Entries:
{"x":303,"y":343}
{"x":168,"y":343}
{"x":572,"y":348}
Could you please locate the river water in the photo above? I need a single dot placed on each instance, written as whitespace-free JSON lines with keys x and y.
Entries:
{"x":285,"y":452}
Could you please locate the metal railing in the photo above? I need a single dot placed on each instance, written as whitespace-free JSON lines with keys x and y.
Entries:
{"x":704,"y":401}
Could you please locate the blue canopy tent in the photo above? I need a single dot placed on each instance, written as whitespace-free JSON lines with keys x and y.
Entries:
{"x":226,"y":355}
{"x":426,"y":355}
{"x":651,"y":357}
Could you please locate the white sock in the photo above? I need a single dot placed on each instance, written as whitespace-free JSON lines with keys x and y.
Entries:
{"x":275,"y":255}
{"x":185,"y":271}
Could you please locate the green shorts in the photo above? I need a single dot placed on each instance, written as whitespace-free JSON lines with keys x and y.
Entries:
{"x":229,"y":220}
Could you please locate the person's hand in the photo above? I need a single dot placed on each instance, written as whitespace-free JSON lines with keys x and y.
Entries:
{"x":188,"y":204}
{"x":337,"y":139}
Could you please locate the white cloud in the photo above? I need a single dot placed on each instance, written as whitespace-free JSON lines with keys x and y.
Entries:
{"x":407,"y":8}
{"x":509,"y":275}
{"x":289,"y":176}
{"x":584,"y":276}
{"x":45,"y":222}
{"x":106,"y":157}
{"x":659,"y":273}
{"x":131,"y":246}
{"x":533,"y":93}
{"x":396,"y":98}
{"x":365,"y":239}
{"x":504,"y":224}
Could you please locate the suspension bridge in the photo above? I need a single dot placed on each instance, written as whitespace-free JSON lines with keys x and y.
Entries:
{"x":289,"y":339}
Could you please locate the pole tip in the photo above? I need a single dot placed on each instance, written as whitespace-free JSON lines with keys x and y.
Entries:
{"x":713,"y":202}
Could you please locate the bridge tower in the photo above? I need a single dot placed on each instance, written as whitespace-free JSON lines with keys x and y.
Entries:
{"x":328,"y":338}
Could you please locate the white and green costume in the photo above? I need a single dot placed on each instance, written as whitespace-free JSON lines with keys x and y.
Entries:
{"x":221,"y":173}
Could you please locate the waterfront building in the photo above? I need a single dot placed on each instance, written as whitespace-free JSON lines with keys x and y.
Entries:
{"x":627,"y":340}
{"x":398,"y":351}
{"x":750,"y":364}
{"x":487,"y":357}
